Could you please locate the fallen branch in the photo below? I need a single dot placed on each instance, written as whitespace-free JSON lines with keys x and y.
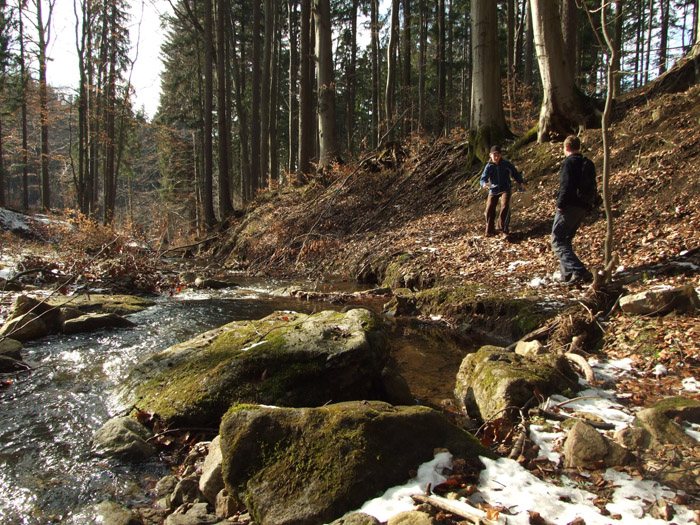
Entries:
{"x":563,"y":417}
{"x":581,"y":362}
{"x":443,"y":505}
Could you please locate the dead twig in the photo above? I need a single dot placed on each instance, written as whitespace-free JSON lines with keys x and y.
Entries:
{"x":452,"y":509}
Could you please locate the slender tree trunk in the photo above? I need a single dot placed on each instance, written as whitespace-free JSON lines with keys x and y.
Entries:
{"x":208,"y":153}
{"x":351,"y":79}
{"x":606,"y":148}
{"x":407,"y":98}
{"x":109,"y":172}
{"x":391,"y":64}
{"x":225,"y":206}
{"x":569,"y":28}
{"x":274,"y":82}
{"x":441,"y":69}
{"x":44,"y":38}
{"x":487,"y":119}
{"x":25,"y":150}
{"x":617,"y":45}
{"x":423,"y":38}
{"x":663,"y":45}
{"x":306,"y":136}
{"x":265,"y":92}
{"x":528,"y":51}
{"x":292,"y":101}
{"x":328,"y":142}
{"x":374,"y":42}
{"x":256,"y":116}
{"x":650,"y":29}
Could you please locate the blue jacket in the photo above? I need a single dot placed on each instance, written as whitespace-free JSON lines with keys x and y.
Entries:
{"x":499,"y":176}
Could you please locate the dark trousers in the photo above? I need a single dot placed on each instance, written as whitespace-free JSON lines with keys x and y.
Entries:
{"x":565,"y":226}
{"x":503,"y":216}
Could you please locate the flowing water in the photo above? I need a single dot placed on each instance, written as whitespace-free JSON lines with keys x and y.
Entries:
{"x":48,"y":416}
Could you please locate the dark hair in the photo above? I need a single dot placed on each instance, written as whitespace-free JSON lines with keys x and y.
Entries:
{"x":572,"y":143}
{"x":495,"y":149}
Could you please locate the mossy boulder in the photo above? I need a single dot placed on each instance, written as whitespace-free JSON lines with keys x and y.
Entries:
{"x":285,"y":359}
{"x":313,"y":465}
{"x":494,"y":383}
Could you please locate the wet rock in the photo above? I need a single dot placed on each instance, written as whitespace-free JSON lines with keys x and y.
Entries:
{"x":106,"y":512}
{"x":285,"y":359}
{"x":125,"y":438}
{"x":26,"y":327}
{"x":492,"y":380}
{"x":120,"y":304}
{"x":186,"y":491}
{"x":213,"y":284}
{"x":400,"y":305}
{"x":529,"y":348}
{"x":661,"y":301}
{"x":332,"y":458}
{"x":585,"y":447}
{"x":211,"y":481}
{"x":198,"y":514}
{"x":10,"y":364}
{"x":357,"y":518}
{"x":92,"y":322}
{"x":680,"y":407}
{"x":663,"y":431}
{"x":49,"y":314}
{"x":166,"y":485}
{"x":187,"y":277}
{"x":226,"y":506}
{"x":396,"y":389}
{"x":412,"y":517}
{"x":11,"y":348}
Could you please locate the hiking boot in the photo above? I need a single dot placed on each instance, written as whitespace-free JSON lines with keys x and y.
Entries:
{"x":580,"y":278}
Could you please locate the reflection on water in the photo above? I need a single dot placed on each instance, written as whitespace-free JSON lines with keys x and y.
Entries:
{"x":48,"y":417}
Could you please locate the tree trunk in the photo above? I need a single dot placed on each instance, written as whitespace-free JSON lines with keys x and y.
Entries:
{"x":328,"y":143}
{"x":268,"y":17}
{"x":44,"y":38}
{"x":391,"y":64}
{"x":306,"y":136}
{"x":441,"y":73}
{"x":423,"y":42}
{"x":351,"y":75}
{"x":256,"y":87}
{"x":406,"y":88}
{"x":208,"y":175}
{"x":487,"y":119}
{"x":374,"y":50}
{"x":274,"y":179}
{"x":25,"y":149}
{"x":569,"y":28}
{"x":617,"y":47}
{"x":528,"y":51}
{"x":292,"y":101}
{"x":225,"y":206}
{"x":561,"y":112}
{"x":663,"y":45}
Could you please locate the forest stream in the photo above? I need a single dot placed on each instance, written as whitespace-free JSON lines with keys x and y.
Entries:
{"x":48,"y":416}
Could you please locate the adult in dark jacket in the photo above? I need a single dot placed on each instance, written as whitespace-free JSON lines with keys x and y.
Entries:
{"x":573,"y":202}
{"x":496,"y":178}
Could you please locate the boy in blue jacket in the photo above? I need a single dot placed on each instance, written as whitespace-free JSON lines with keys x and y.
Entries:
{"x":496,"y":178}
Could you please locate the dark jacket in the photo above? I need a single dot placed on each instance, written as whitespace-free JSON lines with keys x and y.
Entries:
{"x":573,"y":171}
{"x":499,"y":176}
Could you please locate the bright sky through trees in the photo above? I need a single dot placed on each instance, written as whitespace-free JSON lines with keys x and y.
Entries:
{"x":146,"y":36}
